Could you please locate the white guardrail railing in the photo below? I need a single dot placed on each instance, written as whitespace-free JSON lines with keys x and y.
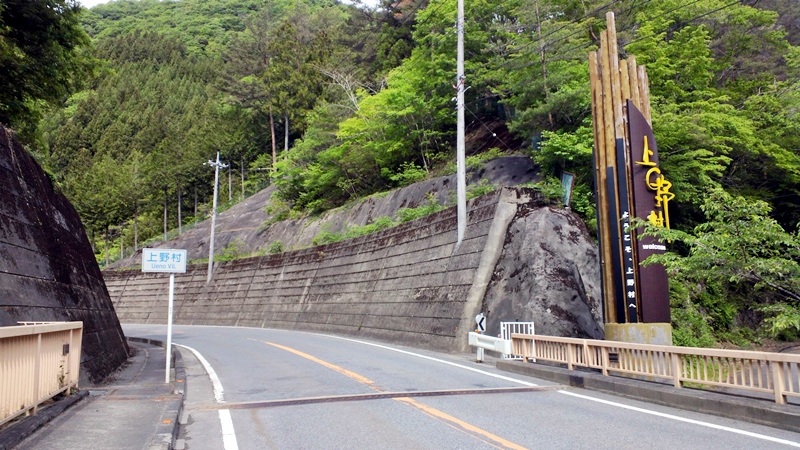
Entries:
{"x":774,"y":373}
{"x":38,"y":360}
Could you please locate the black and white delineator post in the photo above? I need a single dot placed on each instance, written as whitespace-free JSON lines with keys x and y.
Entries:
{"x":482,"y":341}
{"x":167,"y":261}
{"x":480,"y":321}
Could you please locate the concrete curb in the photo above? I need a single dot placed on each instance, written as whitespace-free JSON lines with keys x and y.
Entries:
{"x":748,"y":409}
{"x":13,"y":435}
{"x":169,"y":426}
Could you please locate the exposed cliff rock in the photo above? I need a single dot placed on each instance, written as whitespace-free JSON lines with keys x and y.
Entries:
{"x":47,"y":269}
{"x":248,"y":222}
{"x":548,"y":273}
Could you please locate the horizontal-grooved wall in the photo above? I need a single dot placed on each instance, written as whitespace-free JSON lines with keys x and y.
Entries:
{"x":48,"y":272}
{"x":409,"y":284}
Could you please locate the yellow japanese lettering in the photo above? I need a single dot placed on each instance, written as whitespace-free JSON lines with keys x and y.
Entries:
{"x":646,"y":155}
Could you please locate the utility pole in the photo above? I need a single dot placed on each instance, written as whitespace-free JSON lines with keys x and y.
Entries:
{"x":216,"y":165}
{"x":460,"y":145}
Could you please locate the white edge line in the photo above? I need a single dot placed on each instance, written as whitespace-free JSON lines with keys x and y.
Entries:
{"x":585,"y":397}
{"x":228,"y":433}
{"x":525,"y":383}
{"x":683,"y":419}
{"x":219,"y":395}
{"x":502,"y":377}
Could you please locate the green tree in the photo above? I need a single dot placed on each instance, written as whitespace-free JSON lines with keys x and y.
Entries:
{"x":44,"y":57}
{"x":741,"y":255}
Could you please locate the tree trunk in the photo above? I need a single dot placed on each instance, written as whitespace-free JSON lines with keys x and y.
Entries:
{"x":106,"y":245}
{"x":544,"y":63}
{"x":136,"y":225}
{"x":94,"y":247}
{"x":286,"y":133}
{"x":165,"y":214}
{"x":230,"y":183}
{"x":180,"y":219}
{"x":272,"y":130}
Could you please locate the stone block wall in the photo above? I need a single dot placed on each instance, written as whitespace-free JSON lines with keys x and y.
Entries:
{"x":410,"y":284}
{"x":47,"y":268}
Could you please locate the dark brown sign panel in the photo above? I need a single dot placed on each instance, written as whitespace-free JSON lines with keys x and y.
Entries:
{"x":651,"y":196}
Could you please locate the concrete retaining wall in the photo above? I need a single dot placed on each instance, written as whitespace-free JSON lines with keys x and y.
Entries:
{"x":409,"y":284}
{"x":47,"y":268}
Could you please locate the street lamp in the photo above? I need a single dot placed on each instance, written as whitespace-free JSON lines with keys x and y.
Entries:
{"x":216,"y":165}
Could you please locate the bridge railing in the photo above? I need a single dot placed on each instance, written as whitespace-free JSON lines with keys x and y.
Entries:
{"x":38,"y":361}
{"x":773,"y":373}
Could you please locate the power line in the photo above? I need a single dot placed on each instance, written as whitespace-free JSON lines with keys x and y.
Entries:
{"x":588,"y":44}
{"x":494,"y":135}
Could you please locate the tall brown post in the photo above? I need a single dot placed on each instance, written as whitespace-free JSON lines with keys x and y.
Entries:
{"x":628,"y":184}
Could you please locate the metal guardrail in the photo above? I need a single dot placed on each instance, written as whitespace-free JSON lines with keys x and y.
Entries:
{"x":38,"y":360}
{"x":509,"y":328}
{"x":492,"y":343}
{"x":774,"y":373}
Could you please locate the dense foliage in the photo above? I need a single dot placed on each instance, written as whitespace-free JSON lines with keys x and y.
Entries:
{"x":43,"y":58}
{"x":331,"y":101}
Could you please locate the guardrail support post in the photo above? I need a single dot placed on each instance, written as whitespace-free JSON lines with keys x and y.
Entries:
{"x":36,"y":372}
{"x":587,"y":360}
{"x":604,"y":363}
{"x":570,"y":357}
{"x":778,"y":382}
{"x":677,"y":370}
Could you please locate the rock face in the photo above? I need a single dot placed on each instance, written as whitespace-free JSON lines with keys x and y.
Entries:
{"x":549,"y":273}
{"x":47,"y":268}
{"x":246,"y":222}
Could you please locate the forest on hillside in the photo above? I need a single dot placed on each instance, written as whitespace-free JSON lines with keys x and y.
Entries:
{"x":330,"y":101}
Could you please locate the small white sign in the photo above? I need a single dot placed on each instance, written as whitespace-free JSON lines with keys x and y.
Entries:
{"x":163,"y":260}
{"x":480,"y":320}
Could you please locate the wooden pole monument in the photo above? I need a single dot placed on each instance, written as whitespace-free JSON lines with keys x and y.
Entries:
{"x":628,"y":183}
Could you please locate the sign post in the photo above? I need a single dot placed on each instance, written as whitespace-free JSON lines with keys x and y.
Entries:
{"x":166,"y":261}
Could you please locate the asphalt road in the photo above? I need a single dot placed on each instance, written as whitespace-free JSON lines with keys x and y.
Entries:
{"x":252,"y":388}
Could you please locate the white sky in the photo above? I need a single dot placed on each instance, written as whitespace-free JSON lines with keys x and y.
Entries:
{"x":90,"y":3}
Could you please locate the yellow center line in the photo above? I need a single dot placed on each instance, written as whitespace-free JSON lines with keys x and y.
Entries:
{"x":449,"y":420}
{"x":462,"y":426}
{"x":342,"y":370}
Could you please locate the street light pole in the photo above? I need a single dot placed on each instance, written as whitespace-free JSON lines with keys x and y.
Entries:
{"x":216,"y":165}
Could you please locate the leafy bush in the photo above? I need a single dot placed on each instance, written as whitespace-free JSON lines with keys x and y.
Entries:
{"x":233,"y":250}
{"x":430,"y":207}
{"x":327,"y":237}
{"x":476,"y":190}
{"x":739,"y":261}
{"x":409,"y":173}
{"x":381,"y":223}
{"x":551,"y":189}
{"x":275,"y":247}
{"x":474,"y":161}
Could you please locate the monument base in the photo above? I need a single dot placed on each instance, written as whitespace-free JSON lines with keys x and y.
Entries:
{"x":640,"y":333}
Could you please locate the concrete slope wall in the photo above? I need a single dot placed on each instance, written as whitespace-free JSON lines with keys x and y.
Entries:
{"x":410,"y":284}
{"x":47,"y":268}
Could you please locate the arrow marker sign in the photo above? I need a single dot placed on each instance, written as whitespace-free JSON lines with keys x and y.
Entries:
{"x":481,"y":321}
